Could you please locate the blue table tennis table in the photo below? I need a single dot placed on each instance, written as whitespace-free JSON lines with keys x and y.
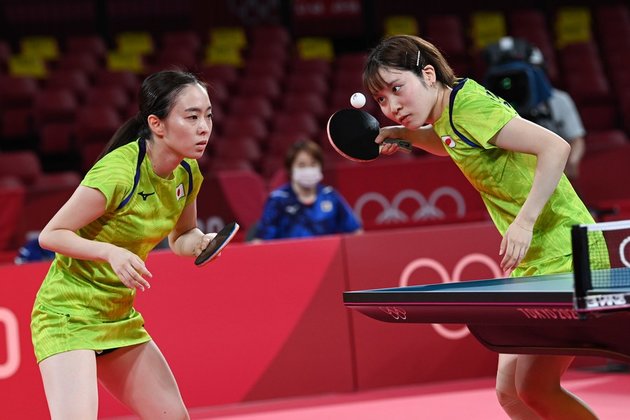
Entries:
{"x":529,"y":315}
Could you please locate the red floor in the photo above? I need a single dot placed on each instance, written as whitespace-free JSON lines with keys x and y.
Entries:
{"x":607,"y":393}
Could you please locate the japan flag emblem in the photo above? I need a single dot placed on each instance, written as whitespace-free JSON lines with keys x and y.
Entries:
{"x":179,"y":191}
{"x":448,"y":141}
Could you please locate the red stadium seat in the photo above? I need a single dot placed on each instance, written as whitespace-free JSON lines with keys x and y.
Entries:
{"x":238,"y":147}
{"x":16,"y":124}
{"x":89,"y":152}
{"x":251,"y":105}
{"x":56,"y":105}
{"x":307,"y":83}
{"x":263,"y":52}
{"x":279,"y":142}
{"x":315,"y":66}
{"x":97,"y":124}
{"x":122,"y":79}
{"x":17,"y":92}
{"x":296,"y":122}
{"x":12,"y":194}
{"x":216,"y":165}
{"x":23,"y":165}
{"x":305,"y":102}
{"x":110,"y":96}
{"x":56,"y":138}
{"x":598,"y":116}
{"x":175,"y":58}
{"x":597,"y":182}
{"x":264,"y":67}
{"x":16,"y":107}
{"x":220,"y":73}
{"x":181,"y":40}
{"x":43,"y":200}
{"x":82,"y":61}
{"x":605,"y":139}
{"x":531,"y":25}
{"x":612,"y":22}
{"x":75,"y":80}
{"x":351,"y":62}
{"x":244,"y":125}
{"x":267,"y":86}
{"x":446,"y":31}
{"x":347,"y":80}
{"x":91,"y":44}
{"x":5,"y":53}
{"x":270,"y":35}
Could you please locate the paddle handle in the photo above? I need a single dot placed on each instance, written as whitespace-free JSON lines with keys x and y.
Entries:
{"x":405,"y":146}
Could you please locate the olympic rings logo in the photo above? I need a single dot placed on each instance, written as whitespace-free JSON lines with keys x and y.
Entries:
{"x":12,"y":363}
{"x":427,"y":207}
{"x":622,"y":251}
{"x":414,"y":265}
{"x":399,"y":314}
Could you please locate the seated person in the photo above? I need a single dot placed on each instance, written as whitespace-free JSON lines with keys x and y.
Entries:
{"x":304,"y":207}
{"x":517,"y":73}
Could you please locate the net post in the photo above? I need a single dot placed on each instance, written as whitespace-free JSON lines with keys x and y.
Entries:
{"x":581,"y":266}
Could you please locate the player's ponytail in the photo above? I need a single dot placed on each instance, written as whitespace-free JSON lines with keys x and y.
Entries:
{"x":130,"y":131}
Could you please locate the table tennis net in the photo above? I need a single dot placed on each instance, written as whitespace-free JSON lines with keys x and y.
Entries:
{"x":601,"y":256}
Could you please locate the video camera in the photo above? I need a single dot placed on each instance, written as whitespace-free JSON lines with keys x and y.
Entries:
{"x":516,"y":73}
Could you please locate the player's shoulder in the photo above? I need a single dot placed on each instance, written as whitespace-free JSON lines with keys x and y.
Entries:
{"x":121,"y":156}
{"x":192,"y":163}
{"x":467,"y":90}
{"x":474,"y":100}
{"x":119,"y":164}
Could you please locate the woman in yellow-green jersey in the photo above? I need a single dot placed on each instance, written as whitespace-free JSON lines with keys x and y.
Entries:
{"x":515,"y":165}
{"x":143,"y":189}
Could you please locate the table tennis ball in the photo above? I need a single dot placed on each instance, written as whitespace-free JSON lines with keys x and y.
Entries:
{"x":357,"y":100}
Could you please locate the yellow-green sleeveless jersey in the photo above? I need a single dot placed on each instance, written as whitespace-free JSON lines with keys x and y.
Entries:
{"x":82,"y":304}
{"x":504,"y":178}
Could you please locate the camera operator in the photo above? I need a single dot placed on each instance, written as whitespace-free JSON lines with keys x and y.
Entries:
{"x":516,"y":73}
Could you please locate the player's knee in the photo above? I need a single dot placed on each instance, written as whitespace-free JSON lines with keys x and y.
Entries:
{"x":534,"y":396}
{"x":506,"y":398}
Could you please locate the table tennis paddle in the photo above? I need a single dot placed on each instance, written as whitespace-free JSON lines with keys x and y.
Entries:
{"x":217,"y":244}
{"x":351,"y":133}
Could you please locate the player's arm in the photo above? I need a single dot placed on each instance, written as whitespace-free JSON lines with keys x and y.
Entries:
{"x":83,"y":207}
{"x":186,"y":239}
{"x":423,"y":138}
{"x":551,"y":151}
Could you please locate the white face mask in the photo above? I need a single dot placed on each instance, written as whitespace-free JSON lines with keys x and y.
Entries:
{"x":307,"y":177}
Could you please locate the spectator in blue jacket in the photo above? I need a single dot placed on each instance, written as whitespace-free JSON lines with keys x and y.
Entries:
{"x":304,"y":207}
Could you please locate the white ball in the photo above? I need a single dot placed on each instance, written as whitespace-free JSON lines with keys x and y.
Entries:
{"x":357,"y":100}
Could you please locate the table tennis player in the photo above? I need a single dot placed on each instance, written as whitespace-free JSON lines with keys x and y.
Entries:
{"x":304,"y":207}
{"x":517,"y":167}
{"x":84,"y":327}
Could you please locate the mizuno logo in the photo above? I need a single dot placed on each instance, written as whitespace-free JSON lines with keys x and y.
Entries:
{"x":145,"y":195}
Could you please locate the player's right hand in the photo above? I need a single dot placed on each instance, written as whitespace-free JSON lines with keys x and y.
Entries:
{"x":390,"y":132}
{"x":129,"y":268}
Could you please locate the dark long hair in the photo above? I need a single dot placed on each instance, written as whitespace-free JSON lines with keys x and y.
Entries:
{"x":405,"y":52}
{"x":157,"y":96}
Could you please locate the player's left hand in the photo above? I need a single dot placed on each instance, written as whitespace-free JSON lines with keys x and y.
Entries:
{"x":203,"y":243}
{"x":514,"y":246}
{"x":391,"y":132}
